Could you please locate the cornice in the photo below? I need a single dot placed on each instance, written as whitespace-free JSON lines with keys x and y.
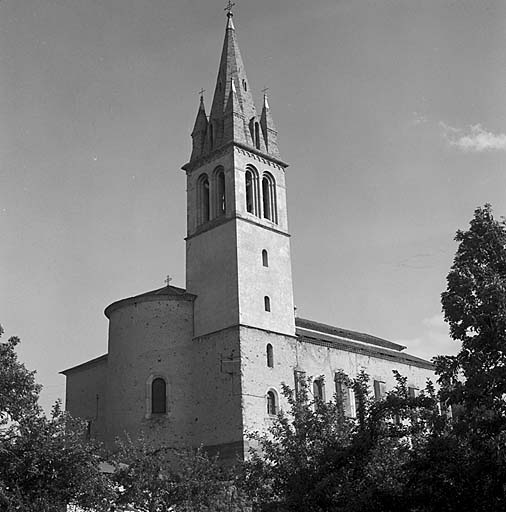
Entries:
{"x":246,"y":150}
{"x":219,"y":221}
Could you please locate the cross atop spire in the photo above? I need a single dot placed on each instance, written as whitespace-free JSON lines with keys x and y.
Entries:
{"x":229,"y":8}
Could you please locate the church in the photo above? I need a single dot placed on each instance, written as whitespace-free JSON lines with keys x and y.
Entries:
{"x":205,"y":365}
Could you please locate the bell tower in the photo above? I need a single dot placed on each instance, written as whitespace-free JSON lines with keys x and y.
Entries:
{"x":237,"y":246}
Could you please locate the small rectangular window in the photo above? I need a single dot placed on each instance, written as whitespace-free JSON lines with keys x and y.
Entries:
{"x":380,"y":389}
{"x":412,"y":392}
{"x":300,"y":381}
{"x":319,"y":389}
{"x":344,"y":395}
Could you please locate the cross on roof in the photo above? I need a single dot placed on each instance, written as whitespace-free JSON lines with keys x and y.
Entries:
{"x":202,"y":91}
{"x":168,"y":279}
{"x":265,"y":89}
{"x":229,"y":7}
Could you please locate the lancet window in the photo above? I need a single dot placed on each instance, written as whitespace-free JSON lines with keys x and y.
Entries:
{"x":203,"y":199}
{"x":269,"y":197}
{"x":251,"y":185}
{"x":220,"y":192}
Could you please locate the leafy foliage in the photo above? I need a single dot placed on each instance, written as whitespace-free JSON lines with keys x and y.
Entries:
{"x":316,"y":459}
{"x":463,"y":466}
{"x":157,"y":478}
{"x":44,"y":462}
{"x":19,"y":392}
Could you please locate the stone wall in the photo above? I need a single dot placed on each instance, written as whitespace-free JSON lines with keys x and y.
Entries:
{"x":85,"y":394}
{"x":315,"y":360}
{"x":148,"y":339}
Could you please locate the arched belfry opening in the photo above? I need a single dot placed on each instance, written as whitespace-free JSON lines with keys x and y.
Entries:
{"x":251,"y":190}
{"x":269,"y":198}
{"x":203,"y":199}
{"x":220,"y":191}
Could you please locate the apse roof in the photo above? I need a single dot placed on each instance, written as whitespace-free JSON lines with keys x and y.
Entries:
{"x":160,"y":293}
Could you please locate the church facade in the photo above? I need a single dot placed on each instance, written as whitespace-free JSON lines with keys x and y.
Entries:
{"x":204,"y":365}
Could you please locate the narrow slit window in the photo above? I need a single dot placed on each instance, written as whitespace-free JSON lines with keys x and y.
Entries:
{"x":270,"y":356}
{"x":265,"y":258}
{"x":257,"y":135}
{"x":267,"y":303}
{"x":158,"y":396}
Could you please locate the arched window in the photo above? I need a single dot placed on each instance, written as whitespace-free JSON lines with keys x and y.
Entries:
{"x":270,"y":356}
{"x":158,"y":396}
{"x":265,"y":258}
{"x":267,"y":303}
{"x":251,"y":185}
{"x":269,"y":197}
{"x":249,"y":192}
{"x":272,"y":403}
{"x":203,"y":199}
{"x":221,"y":205}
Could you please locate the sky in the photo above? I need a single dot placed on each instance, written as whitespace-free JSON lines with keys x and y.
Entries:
{"x":391,"y":114}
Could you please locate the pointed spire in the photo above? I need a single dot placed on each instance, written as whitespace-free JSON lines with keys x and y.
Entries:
{"x":233,"y":116}
{"x":199,"y":130}
{"x":269,"y":129}
{"x":231,"y":70}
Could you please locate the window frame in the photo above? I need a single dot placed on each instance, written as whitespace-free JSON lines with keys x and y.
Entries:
{"x":269,"y":200}
{"x":251,"y":191}
{"x":265,"y":258}
{"x":203,"y":199}
{"x":269,"y":352}
{"x":220,"y":192}
{"x":149,"y":396}
{"x":275,"y":401}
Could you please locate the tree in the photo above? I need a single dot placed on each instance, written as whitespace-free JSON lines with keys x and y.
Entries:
{"x":474,"y":305}
{"x":315,"y":459}
{"x":462,"y":464}
{"x":158,"y":478}
{"x":45,"y":463}
{"x":19,"y":393}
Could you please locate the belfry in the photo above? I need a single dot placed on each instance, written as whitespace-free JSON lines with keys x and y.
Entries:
{"x":237,"y":209}
{"x":205,"y":364}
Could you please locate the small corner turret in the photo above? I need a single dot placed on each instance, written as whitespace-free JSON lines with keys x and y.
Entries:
{"x":199,"y":131}
{"x":268,"y":129}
